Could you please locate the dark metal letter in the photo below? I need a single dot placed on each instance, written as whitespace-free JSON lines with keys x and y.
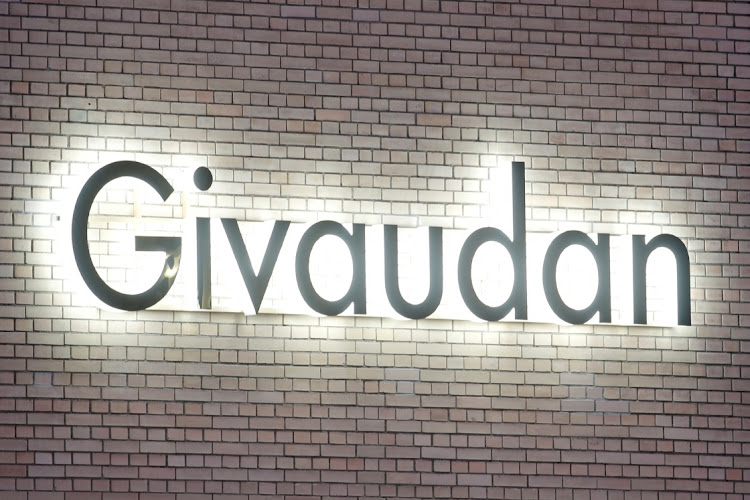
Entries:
{"x":256,"y":284}
{"x":641,"y":253}
{"x":357,"y":292}
{"x":171,"y":245}
{"x":602,"y":302}
{"x":428,"y":306}
{"x":203,"y":244}
{"x":516,"y":249}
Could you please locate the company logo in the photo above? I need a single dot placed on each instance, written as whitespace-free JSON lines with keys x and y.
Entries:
{"x":355,"y":296}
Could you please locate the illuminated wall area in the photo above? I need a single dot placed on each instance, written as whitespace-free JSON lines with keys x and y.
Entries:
{"x":374,"y":249}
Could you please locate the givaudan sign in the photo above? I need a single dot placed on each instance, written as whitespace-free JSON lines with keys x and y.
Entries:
{"x":256,"y":283}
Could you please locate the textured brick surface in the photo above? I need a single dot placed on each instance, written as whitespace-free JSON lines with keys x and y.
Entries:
{"x":633,"y":117}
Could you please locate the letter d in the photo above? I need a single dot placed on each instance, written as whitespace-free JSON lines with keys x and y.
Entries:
{"x":516,"y":249}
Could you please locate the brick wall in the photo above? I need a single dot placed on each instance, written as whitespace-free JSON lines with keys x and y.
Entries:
{"x":633,"y":117}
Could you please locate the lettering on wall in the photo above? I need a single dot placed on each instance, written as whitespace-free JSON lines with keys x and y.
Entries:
{"x":256,"y":282}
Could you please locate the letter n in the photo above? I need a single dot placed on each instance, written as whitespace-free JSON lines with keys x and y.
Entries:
{"x":641,"y":253}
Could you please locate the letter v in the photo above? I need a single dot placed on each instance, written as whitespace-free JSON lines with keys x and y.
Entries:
{"x":256,"y":284}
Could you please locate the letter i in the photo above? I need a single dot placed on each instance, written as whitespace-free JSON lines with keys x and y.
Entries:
{"x":203,"y":180}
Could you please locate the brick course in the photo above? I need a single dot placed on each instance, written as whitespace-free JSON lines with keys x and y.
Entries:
{"x":632,"y":117}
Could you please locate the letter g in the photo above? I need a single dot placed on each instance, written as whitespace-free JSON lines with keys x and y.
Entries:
{"x":171,"y":245}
